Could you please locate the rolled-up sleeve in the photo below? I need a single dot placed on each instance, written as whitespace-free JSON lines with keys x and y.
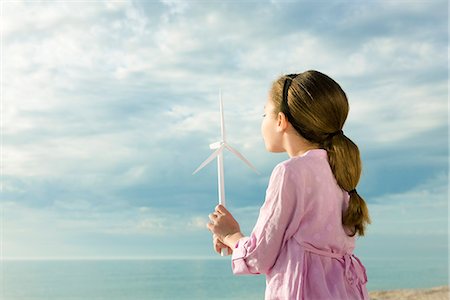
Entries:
{"x":258,"y":253}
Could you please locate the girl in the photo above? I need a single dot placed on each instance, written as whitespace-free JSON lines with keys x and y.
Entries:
{"x":306,"y":230}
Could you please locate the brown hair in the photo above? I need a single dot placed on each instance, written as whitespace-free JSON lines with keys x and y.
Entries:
{"x":317,"y":108}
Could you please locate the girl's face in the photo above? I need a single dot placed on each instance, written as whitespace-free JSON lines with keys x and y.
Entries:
{"x":270,"y":128}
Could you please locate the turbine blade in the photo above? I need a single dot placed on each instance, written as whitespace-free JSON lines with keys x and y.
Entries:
{"x":235,"y":152}
{"x":209,"y":159}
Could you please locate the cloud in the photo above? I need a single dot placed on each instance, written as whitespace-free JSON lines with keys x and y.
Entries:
{"x":109,"y":107}
{"x":422,"y":210}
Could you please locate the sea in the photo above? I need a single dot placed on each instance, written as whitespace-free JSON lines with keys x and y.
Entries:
{"x":191,"y":278}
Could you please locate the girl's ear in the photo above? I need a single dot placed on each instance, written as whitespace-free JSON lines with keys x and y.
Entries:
{"x":281,"y":122}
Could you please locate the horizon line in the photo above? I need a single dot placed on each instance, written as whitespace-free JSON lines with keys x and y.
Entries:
{"x":111,"y":258}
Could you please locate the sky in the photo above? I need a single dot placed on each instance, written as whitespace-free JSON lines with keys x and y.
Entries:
{"x":109,"y":106}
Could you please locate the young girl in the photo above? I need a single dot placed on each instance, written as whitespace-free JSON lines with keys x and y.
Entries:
{"x":306,"y":230}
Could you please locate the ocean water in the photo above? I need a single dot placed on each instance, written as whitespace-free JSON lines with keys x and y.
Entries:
{"x":179,"y":278}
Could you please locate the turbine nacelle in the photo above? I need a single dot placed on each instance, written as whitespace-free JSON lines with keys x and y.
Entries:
{"x":219,"y":147}
{"x":216,"y":145}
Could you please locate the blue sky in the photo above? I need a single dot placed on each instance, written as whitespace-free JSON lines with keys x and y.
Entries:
{"x":108,"y":108}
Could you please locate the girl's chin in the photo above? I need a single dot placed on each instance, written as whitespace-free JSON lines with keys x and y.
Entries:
{"x":272,"y":149}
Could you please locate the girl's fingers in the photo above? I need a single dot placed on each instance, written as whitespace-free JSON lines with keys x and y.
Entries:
{"x":218,"y":245}
{"x":208,"y":225}
{"x":213,"y":216}
{"x":218,"y":240}
{"x":221,"y":209}
{"x":216,"y":248}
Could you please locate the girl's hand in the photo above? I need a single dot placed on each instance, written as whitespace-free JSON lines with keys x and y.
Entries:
{"x":218,"y":245}
{"x":222,"y":223}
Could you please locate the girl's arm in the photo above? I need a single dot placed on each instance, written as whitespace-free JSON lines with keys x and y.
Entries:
{"x":278,"y":220}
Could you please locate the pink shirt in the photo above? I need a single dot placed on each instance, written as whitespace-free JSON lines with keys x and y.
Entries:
{"x":298,"y":241}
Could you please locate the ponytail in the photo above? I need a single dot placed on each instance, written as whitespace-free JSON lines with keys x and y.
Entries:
{"x":345,"y":162}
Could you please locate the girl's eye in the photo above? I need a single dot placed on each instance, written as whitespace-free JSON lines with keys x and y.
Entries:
{"x":263,"y":115}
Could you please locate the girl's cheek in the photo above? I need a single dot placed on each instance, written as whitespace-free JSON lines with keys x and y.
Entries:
{"x":264,"y":128}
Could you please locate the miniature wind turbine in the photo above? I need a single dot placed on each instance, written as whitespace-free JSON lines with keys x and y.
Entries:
{"x":219,"y":147}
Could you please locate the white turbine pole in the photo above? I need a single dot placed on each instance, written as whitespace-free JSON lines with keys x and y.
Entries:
{"x":221,"y":180}
{"x":222,"y":119}
{"x":220,"y":172}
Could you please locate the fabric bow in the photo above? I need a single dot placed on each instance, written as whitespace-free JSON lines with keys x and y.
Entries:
{"x":358,"y":269}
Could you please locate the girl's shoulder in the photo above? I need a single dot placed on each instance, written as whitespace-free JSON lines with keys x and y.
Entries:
{"x":302,"y":165}
{"x":289,"y":168}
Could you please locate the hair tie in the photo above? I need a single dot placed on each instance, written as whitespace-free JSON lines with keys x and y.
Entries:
{"x":353,"y":192}
{"x":331,"y":135}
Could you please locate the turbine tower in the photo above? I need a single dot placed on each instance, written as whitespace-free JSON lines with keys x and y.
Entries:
{"x":219,"y":147}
